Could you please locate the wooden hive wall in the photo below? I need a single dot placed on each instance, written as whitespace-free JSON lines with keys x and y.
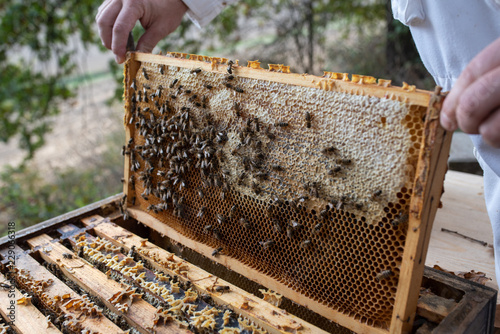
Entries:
{"x":310,"y":184}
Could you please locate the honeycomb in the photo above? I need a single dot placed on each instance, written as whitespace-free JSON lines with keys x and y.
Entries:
{"x":310,"y":186}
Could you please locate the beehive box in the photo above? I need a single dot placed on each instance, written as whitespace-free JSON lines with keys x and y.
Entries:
{"x":322,"y":189}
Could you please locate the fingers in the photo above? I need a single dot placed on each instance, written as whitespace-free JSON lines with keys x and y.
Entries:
{"x":124,"y":24}
{"x":486,"y":61}
{"x":106,"y":17}
{"x":477,"y":101}
{"x":149,"y":39}
{"x":490,"y":129}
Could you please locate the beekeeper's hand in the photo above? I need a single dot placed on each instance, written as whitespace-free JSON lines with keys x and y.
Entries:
{"x":473,"y":104}
{"x":116,"y":18}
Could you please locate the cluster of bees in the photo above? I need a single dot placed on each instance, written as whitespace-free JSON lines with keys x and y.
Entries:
{"x":181,"y":304}
{"x":179,"y":139}
{"x":53,"y":305}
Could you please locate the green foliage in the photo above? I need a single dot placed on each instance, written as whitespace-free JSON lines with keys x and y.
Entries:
{"x":35,"y":54}
{"x":29,"y":197}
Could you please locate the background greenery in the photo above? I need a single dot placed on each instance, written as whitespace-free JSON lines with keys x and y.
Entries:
{"x":37,"y":62}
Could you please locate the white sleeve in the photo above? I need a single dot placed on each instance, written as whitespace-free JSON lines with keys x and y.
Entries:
{"x":201,"y":12}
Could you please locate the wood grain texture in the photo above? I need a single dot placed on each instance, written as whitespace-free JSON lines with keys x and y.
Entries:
{"x":28,"y":319}
{"x":464,"y":211}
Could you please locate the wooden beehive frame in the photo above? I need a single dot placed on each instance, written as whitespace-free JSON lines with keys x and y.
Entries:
{"x":424,"y":202}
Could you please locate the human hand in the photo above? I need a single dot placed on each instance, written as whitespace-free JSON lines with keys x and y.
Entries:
{"x":473,"y":104}
{"x":116,"y":18}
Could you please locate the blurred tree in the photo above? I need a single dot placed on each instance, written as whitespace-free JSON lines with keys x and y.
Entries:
{"x":35,"y":55}
{"x":291,"y":31}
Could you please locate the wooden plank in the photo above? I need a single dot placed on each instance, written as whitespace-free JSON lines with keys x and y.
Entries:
{"x":56,"y":290}
{"x":464,"y":211}
{"x":434,"y":308}
{"x":24,"y":318}
{"x":266,"y":315}
{"x":417,"y":97}
{"x":254,"y":275}
{"x":140,"y":314}
{"x":130,"y":69}
{"x":425,"y":199}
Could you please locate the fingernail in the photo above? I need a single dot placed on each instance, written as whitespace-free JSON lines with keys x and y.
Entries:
{"x":119,"y":59}
{"x":447,"y":123}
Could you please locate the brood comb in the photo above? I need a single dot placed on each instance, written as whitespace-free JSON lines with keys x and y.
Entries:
{"x":322,"y":189}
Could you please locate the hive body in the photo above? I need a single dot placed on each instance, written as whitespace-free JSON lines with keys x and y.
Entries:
{"x":312,"y":182}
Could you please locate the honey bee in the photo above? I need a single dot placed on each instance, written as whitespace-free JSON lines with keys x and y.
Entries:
{"x":162,"y":69}
{"x":292,"y":228}
{"x":200,"y":193}
{"x":216,"y":234}
{"x":376,"y":194}
{"x":208,"y":228}
{"x":317,"y":228}
{"x":217,"y":251}
{"x":196,"y":71}
{"x":133,"y":85}
{"x":241,"y":178}
{"x":228,"y":85}
{"x":383,"y":274}
{"x":256,"y":189}
{"x":308,"y":120}
{"x":208,"y":86}
{"x":221,"y":219}
{"x":232,"y":211}
{"x":237,"y":109}
{"x":222,"y":288}
{"x":281,"y":124}
{"x":173,"y":83}
{"x":277,"y":225}
{"x":329,"y":150}
{"x":245,"y":223}
{"x":267,"y":244}
{"x":401,"y":218}
{"x":67,"y":255}
{"x":334,"y":171}
{"x":313,"y":188}
{"x":145,"y":73}
{"x":230,"y":67}
{"x":238,"y":89}
{"x":262,"y":175}
{"x":277,"y":167}
{"x":270,"y":211}
{"x":358,"y":206}
{"x":305,"y":244}
{"x":201,"y":212}
{"x":269,"y":134}
{"x":344,"y":161}
{"x":323,"y":214}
